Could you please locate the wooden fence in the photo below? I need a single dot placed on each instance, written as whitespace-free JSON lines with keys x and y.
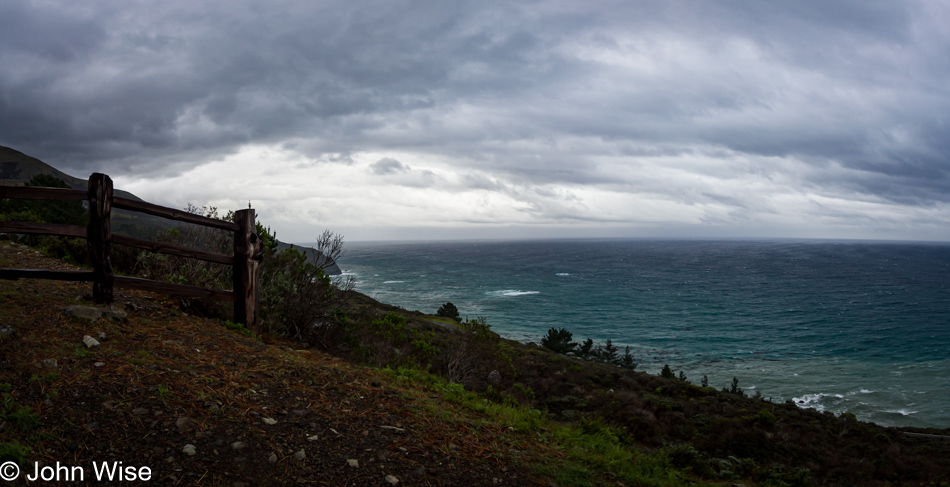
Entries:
{"x":98,"y":234}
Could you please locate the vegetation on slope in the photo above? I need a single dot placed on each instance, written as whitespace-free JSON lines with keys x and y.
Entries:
{"x":162,"y":380}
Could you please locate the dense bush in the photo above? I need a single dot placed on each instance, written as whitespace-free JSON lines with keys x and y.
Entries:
{"x":448,"y":310}
{"x":558,"y":341}
{"x":627,"y":360}
{"x":585,"y":350}
{"x":298,"y":300}
{"x":667,"y":372}
{"x":608,"y":354}
{"x":734,"y":388}
{"x":470,"y":356}
{"x":184,"y":270}
{"x":295,"y":295}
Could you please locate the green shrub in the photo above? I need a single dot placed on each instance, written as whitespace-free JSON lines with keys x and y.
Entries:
{"x":14,"y":452}
{"x":297,"y":299}
{"x":584,"y":350}
{"x":734,"y":388}
{"x":392,"y":326}
{"x":523,"y":390}
{"x":765,"y":417}
{"x":194,"y":272}
{"x":558,"y":341}
{"x":471,"y":355}
{"x":448,"y":310}
{"x":608,"y":353}
{"x":627,"y":361}
{"x":240,"y":329}
{"x":667,"y":372}
{"x":22,"y":416}
{"x":423,"y":347}
{"x":686,"y":457}
{"x":388,"y":341}
{"x":25,"y":418}
{"x":296,"y":295}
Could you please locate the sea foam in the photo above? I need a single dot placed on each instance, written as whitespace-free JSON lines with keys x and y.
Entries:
{"x":512,"y":292}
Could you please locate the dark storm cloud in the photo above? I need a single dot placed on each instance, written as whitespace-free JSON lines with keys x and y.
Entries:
{"x":529,"y":92}
{"x":388,"y":165}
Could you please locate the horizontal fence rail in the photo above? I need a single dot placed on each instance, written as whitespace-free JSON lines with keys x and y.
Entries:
{"x":37,"y":193}
{"x":176,"y":289}
{"x":14,"y":274}
{"x":43,"y":229}
{"x":172,"y":249}
{"x":172,"y":214}
{"x":98,"y":233}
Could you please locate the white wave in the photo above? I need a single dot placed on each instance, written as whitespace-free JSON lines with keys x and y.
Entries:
{"x":902,"y":412}
{"x":814,"y":401}
{"x":512,"y":292}
{"x":392,"y":282}
{"x":562,"y":274}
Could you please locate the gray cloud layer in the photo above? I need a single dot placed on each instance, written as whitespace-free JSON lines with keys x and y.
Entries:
{"x":528,"y":93}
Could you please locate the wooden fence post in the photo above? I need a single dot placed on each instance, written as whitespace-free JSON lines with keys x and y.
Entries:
{"x":99,"y":236}
{"x":247,"y":257}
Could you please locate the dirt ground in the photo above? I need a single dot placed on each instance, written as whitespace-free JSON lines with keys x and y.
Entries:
{"x":202,"y":405}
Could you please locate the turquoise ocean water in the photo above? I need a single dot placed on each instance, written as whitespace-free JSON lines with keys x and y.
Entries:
{"x":833,"y":325}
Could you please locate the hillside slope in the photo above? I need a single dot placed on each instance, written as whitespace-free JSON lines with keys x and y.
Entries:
{"x":17,"y":168}
{"x":255,"y":413}
{"x":272,"y":413}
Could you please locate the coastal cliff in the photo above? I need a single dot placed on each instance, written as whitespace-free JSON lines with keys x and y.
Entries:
{"x":208,"y":402}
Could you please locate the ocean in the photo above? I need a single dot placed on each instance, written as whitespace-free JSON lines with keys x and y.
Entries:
{"x":841,"y":326}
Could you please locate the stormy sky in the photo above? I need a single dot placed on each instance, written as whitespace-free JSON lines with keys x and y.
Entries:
{"x":510,"y":119}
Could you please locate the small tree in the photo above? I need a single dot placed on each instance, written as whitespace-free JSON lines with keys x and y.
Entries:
{"x":449,"y":310}
{"x":584,"y":351}
{"x":734,"y":389}
{"x":330,"y":248}
{"x":667,"y":372}
{"x":626,"y":361}
{"x":295,"y":295}
{"x":609,"y":353}
{"x":559,"y":340}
